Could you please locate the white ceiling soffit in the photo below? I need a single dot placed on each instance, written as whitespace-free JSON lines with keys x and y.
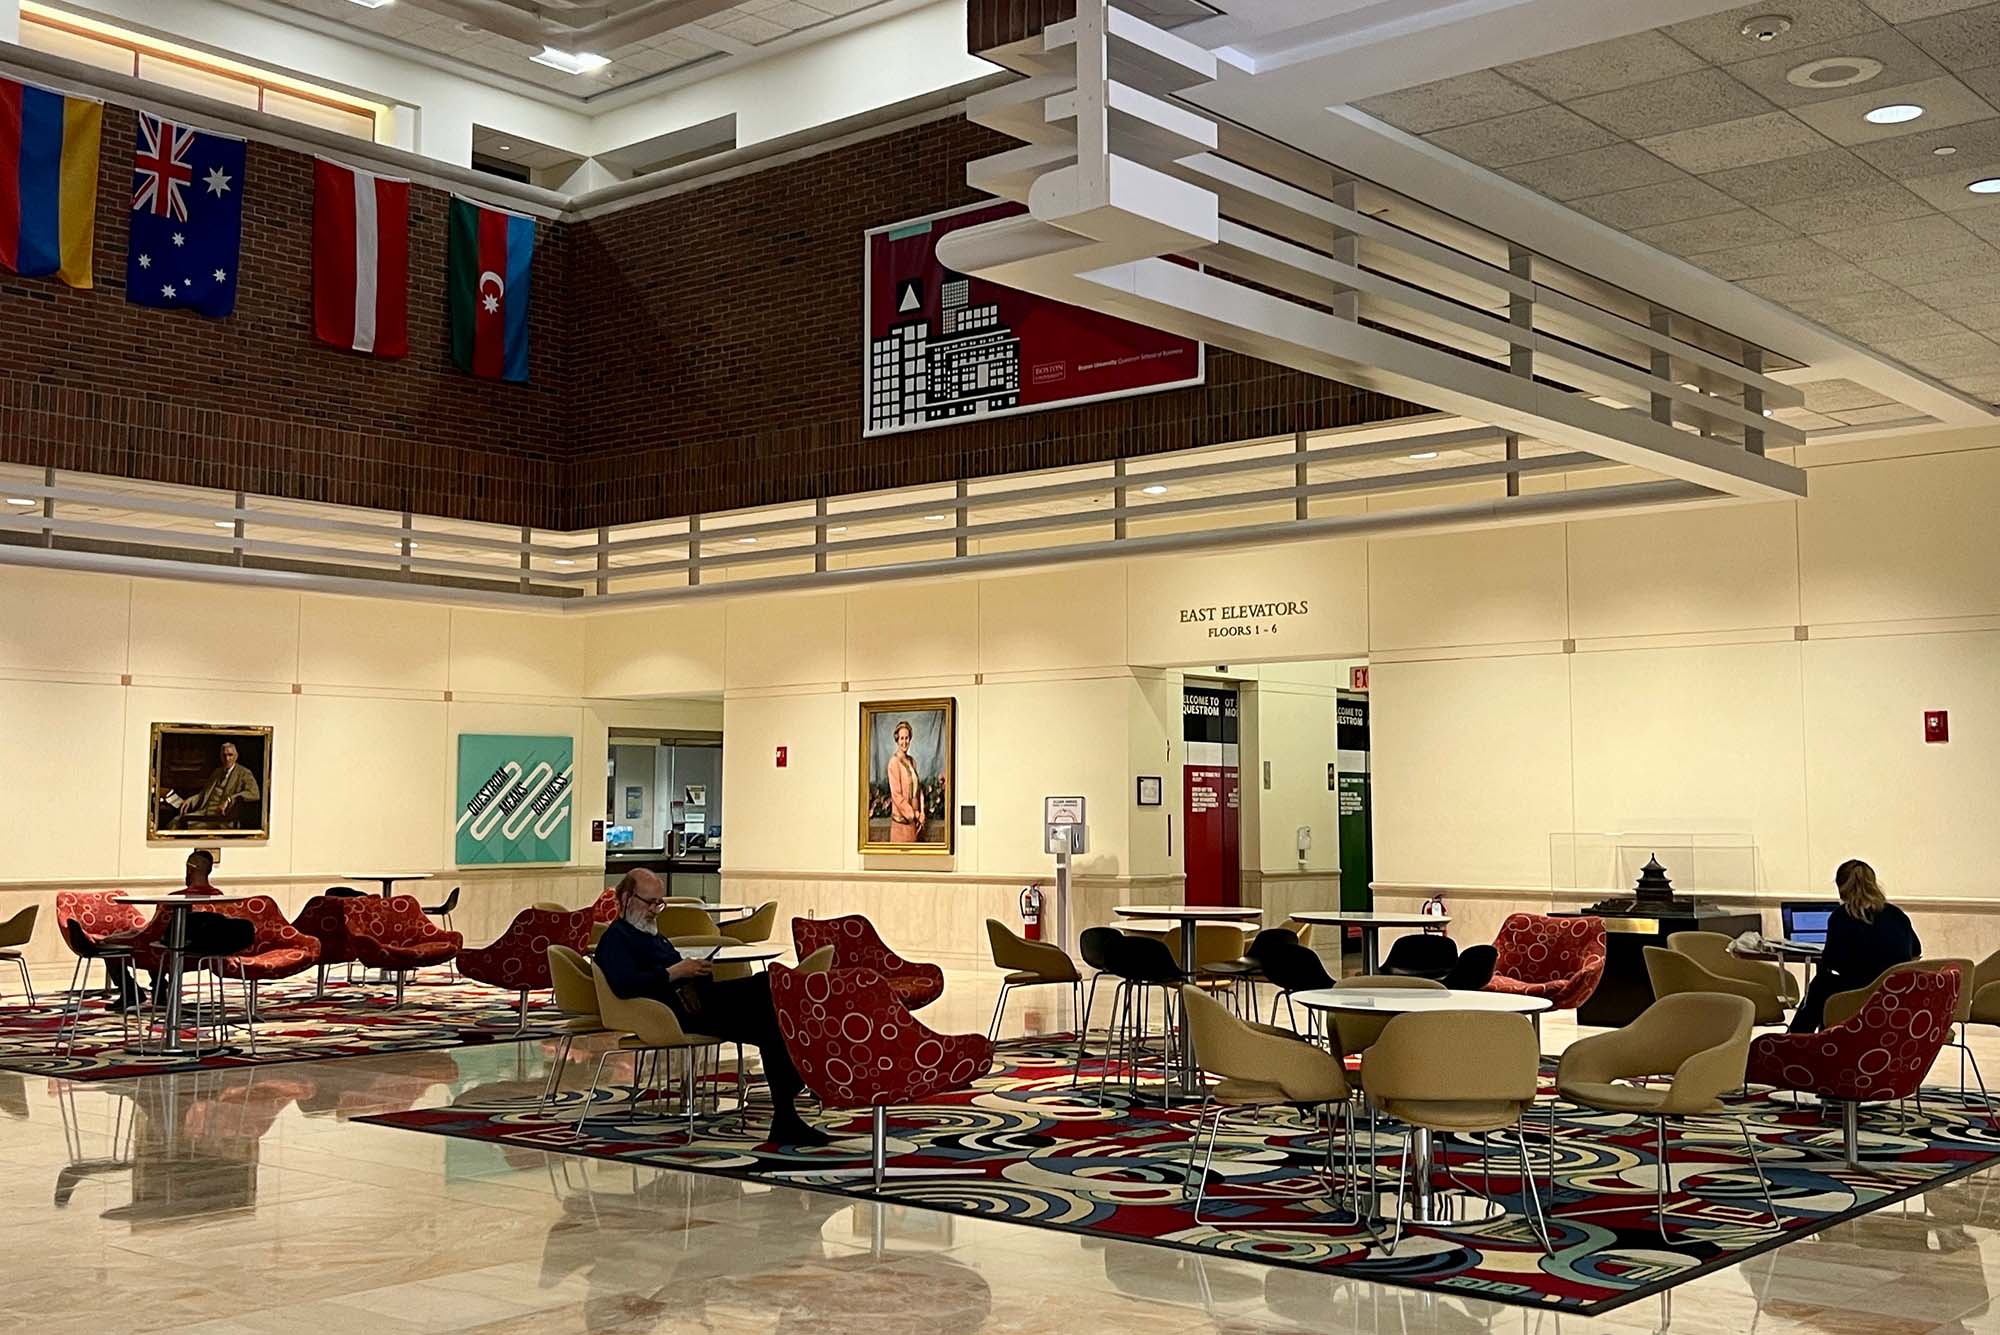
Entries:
{"x":1143,"y":208}
{"x":1281,"y":60}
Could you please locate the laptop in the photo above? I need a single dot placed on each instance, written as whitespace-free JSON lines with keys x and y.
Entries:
{"x":1805,"y":922}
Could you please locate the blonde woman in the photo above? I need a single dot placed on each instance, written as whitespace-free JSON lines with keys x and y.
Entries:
{"x":1865,"y":938}
{"x":906,"y":791}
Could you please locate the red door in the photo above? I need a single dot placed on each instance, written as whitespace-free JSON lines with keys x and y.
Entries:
{"x":1211,"y":802}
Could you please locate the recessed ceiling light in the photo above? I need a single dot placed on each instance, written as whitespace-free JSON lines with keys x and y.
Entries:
{"x":225,"y":523}
{"x":838,"y":528}
{"x":932,"y":519}
{"x":1426,"y":454}
{"x":1943,"y":151}
{"x":506,"y":148}
{"x":1833,"y":72}
{"x":1989,"y":186}
{"x":571,"y":62}
{"x":1893,"y":114}
{"x":564,"y":561}
{"x":746,"y":541}
{"x":19,"y":500}
{"x":1155,"y":490}
{"x":1766,"y":27}
{"x":374,"y":4}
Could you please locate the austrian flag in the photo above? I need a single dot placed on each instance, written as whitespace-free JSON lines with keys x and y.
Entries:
{"x":492,"y":256}
{"x":361,"y":260}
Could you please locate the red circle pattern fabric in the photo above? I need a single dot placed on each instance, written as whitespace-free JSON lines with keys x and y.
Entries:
{"x":396,"y":934}
{"x":857,"y":945}
{"x":1883,"y":1052}
{"x":856,"y":1045}
{"x":324,"y":919}
{"x":519,"y":960}
{"x":1543,"y":956}
{"x":279,"y":949}
{"x":104,"y":919}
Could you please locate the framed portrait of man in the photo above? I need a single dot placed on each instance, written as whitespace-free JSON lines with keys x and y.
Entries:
{"x":209,"y":781}
{"x":906,"y":776}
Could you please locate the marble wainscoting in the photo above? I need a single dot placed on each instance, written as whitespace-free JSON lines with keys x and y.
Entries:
{"x":1962,"y":928}
{"x":488,"y":898}
{"x":938,"y":917}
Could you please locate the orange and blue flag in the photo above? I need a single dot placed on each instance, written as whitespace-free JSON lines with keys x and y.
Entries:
{"x":48,"y":182}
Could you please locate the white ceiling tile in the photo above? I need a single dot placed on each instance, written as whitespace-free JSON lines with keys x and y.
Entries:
{"x":1719,"y":37}
{"x":1901,"y":61}
{"x":1791,"y":254}
{"x":1808,"y":284}
{"x":1967,"y":39}
{"x":1920,"y":265}
{"x":1737,"y":143}
{"x":1721,"y":232}
{"x":1903,"y":11}
{"x":1888,"y":240}
{"x":1946,"y":103}
{"x":1912,"y":154}
{"x":1973,"y":290}
{"x":1852,"y":208}
{"x":1648,"y":205}
{"x":1599,"y":67}
{"x":1436,"y":106}
{"x":1834,"y":396}
{"x":1826,"y":172}
{"x":1524,"y":136}
{"x":1683,"y":102}
{"x":1947,"y":189}
{"x":1595,"y":171}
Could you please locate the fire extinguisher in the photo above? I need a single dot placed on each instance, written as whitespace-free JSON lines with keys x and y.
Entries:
{"x":1031,"y":912}
{"x":1434,"y":908}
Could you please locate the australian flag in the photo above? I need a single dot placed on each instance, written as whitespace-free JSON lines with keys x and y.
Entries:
{"x":187,"y":218}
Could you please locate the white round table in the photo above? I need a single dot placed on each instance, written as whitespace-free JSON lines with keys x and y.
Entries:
{"x":759,"y":953}
{"x":1371,"y":925}
{"x":173,"y":947}
{"x":1426,"y":1205}
{"x":1161,"y":926}
{"x":387,"y":878}
{"x":1188,"y":916}
{"x":736,"y":912}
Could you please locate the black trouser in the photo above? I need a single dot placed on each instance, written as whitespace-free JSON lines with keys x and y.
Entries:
{"x":739,"y":1010}
{"x":1810,"y":1017}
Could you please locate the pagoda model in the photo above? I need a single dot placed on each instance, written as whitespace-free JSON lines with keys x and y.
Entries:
{"x":1647,"y":917}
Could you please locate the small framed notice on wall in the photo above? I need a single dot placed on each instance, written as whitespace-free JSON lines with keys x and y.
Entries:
{"x":1149,"y":790}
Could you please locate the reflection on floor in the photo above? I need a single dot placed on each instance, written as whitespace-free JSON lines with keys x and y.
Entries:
{"x":231,"y":1202}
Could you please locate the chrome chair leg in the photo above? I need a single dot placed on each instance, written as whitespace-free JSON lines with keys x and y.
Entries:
{"x":27,"y":983}
{"x":999,"y":1009}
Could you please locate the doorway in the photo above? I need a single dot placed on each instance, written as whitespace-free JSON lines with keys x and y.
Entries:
{"x":1211,"y":796}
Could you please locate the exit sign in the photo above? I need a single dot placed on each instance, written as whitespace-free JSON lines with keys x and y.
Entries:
{"x":1357,"y":678}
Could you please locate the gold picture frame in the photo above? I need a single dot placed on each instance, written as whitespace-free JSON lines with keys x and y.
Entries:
{"x":194,"y":792}
{"x":890,"y":792}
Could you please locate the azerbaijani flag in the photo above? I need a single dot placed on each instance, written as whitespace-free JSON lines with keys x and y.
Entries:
{"x":48,"y":182}
{"x":492,"y":256}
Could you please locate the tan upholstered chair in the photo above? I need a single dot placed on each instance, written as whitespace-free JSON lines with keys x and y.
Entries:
{"x":1675,"y":974}
{"x":1698,"y":1041}
{"x":645,"y":1027}
{"x":679,"y":920}
{"x":1261,"y":1067}
{"x":1711,"y":951}
{"x":818,"y":962}
{"x":597,"y":930}
{"x":1029,"y":964}
{"x":1844,"y":1006}
{"x":576,"y":997}
{"x":1440,"y":1072}
{"x":15,"y":933}
{"x":758,"y":926}
{"x":549,"y":906}
{"x":1356,"y":1032}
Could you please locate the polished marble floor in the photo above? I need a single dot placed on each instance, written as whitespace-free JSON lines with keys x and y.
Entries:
{"x":243,"y":1202}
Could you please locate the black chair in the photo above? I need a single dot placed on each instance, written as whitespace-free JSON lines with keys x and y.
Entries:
{"x":1096,"y":945}
{"x":87,"y":950}
{"x":1246,"y":972}
{"x":1140,"y":964}
{"x":1474,"y":969}
{"x":211,"y":939}
{"x":1292,"y":969}
{"x":442,"y":912}
{"x":345,"y":892}
{"x":1421,"y":956}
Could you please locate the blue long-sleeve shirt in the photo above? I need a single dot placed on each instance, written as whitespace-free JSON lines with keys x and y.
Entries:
{"x":635,"y":963}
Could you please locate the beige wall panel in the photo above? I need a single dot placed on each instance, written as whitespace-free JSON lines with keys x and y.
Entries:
{"x":63,"y":747}
{"x":1695,"y":740}
{"x":368,"y":776}
{"x":1295,"y":733}
{"x":799,"y":817}
{"x":1494,"y":586}
{"x":913,"y":630}
{"x":1471,"y":762}
{"x":1913,"y":809}
{"x":661,"y":651}
{"x":1044,"y":739}
{"x":61,"y":621}
{"x":213,"y":632}
{"x":1722,"y":567}
{"x":527,"y":720}
{"x":145,"y":706}
{"x":1169,"y":594}
{"x":515,"y":653}
{"x":1904,"y":538}
{"x":780,"y":641}
{"x":373,"y":642}
{"x":1061,"y":619}
{"x":1154,"y":741}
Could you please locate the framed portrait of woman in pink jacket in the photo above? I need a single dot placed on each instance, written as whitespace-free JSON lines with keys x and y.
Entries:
{"x":906,"y":773}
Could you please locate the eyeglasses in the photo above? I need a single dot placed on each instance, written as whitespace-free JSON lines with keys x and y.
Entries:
{"x":651,"y":903}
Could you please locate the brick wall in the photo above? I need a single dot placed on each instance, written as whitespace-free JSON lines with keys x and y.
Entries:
{"x":90,"y":382}
{"x":718,"y":345}
{"x":991,"y":23}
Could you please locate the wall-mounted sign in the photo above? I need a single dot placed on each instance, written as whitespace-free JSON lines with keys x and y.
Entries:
{"x":1149,"y":790}
{"x":513,"y":798}
{"x":1357,"y":677}
{"x":1225,"y":621}
{"x":1062,"y":811}
{"x":943,"y":347}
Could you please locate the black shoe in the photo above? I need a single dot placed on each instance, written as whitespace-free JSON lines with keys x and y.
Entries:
{"x":798,"y":1134}
{"x":130,"y":1002}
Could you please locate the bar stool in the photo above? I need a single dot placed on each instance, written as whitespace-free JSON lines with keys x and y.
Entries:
{"x":1141,"y":965}
{"x":211,"y":939}
{"x":86,"y":951}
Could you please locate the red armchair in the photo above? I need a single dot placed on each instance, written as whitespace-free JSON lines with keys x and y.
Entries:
{"x":856,"y":946}
{"x":394,"y":935}
{"x":856,"y":1045}
{"x":520,"y":958}
{"x":104,"y":919}
{"x":279,"y":950}
{"x":1540,"y":956}
{"x":324,"y":919}
{"x":1882,"y":1053}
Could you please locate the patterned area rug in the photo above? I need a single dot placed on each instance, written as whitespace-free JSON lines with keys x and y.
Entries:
{"x":1029,"y":1150}
{"x":352,"y":1020}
